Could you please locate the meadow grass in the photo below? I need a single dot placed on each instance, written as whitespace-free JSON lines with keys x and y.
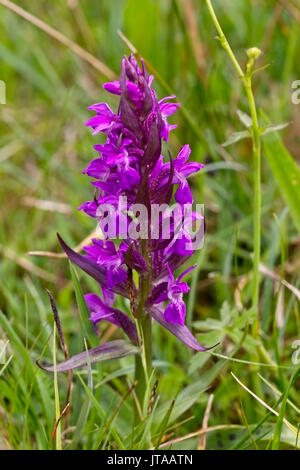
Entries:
{"x":243,"y":394}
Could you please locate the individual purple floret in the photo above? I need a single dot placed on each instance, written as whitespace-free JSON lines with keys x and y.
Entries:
{"x":130,"y":167}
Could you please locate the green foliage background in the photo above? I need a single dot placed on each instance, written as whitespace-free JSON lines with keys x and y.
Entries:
{"x":44,"y":146}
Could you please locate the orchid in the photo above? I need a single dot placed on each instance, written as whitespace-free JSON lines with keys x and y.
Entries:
{"x":130,"y":164}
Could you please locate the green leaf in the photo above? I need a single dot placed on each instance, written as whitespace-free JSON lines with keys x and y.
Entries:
{"x":197,"y":361}
{"x":225,"y":312}
{"x":273,"y":128}
{"x":240,"y":319}
{"x":191,"y":394}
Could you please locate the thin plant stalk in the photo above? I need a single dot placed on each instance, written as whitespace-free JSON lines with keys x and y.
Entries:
{"x":246,"y":79}
{"x":144,"y":326}
{"x":56,"y":396}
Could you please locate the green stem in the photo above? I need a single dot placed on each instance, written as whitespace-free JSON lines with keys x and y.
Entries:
{"x":143,"y":363}
{"x":256,"y":149}
{"x":222,"y":38}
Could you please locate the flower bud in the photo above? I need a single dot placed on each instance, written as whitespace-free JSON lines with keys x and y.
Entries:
{"x":253,"y":53}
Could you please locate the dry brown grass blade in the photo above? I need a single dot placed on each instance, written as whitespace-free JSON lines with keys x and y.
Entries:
{"x":108,"y":333}
{"x":202,"y":440}
{"x":46,"y":205}
{"x":280,"y":305}
{"x":152,"y":398}
{"x":238,"y":291}
{"x":126,"y":41}
{"x":82,"y":53}
{"x":27,"y":265}
{"x":64,"y":347}
{"x":273,"y":24}
{"x":64,"y":411}
{"x":192,"y":28}
{"x":135,"y":399}
{"x":52,"y":254}
{"x":219,"y":427}
{"x":267,"y":272}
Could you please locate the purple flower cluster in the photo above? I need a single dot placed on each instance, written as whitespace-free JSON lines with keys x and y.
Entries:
{"x":130,"y":164}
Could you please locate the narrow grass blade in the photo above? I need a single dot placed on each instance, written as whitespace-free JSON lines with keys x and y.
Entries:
{"x":56,"y":395}
{"x":164,"y":424}
{"x":281,"y":419}
{"x":84,"y":314}
{"x":82,"y":53}
{"x":30,"y":366}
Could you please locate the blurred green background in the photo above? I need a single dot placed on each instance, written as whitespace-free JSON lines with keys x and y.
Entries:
{"x":44,"y":146}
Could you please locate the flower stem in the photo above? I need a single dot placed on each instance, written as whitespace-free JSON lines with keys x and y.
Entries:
{"x":246,"y":79}
{"x":143,"y":363}
{"x":222,"y":38}
{"x":56,"y":395}
{"x":256,"y":148}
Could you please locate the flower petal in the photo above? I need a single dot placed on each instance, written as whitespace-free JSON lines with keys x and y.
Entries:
{"x":97,"y":169}
{"x":181,"y":332}
{"x":100,"y":311}
{"x":190,"y":168}
{"x":175,"y":312}
{"x":184,"y":153}
{"x":91,"y":268}
{"x":167,"y":109}
{"x":183,"y":194}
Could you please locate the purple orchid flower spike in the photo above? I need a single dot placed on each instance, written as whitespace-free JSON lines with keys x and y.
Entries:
{"x":131,"y":165}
